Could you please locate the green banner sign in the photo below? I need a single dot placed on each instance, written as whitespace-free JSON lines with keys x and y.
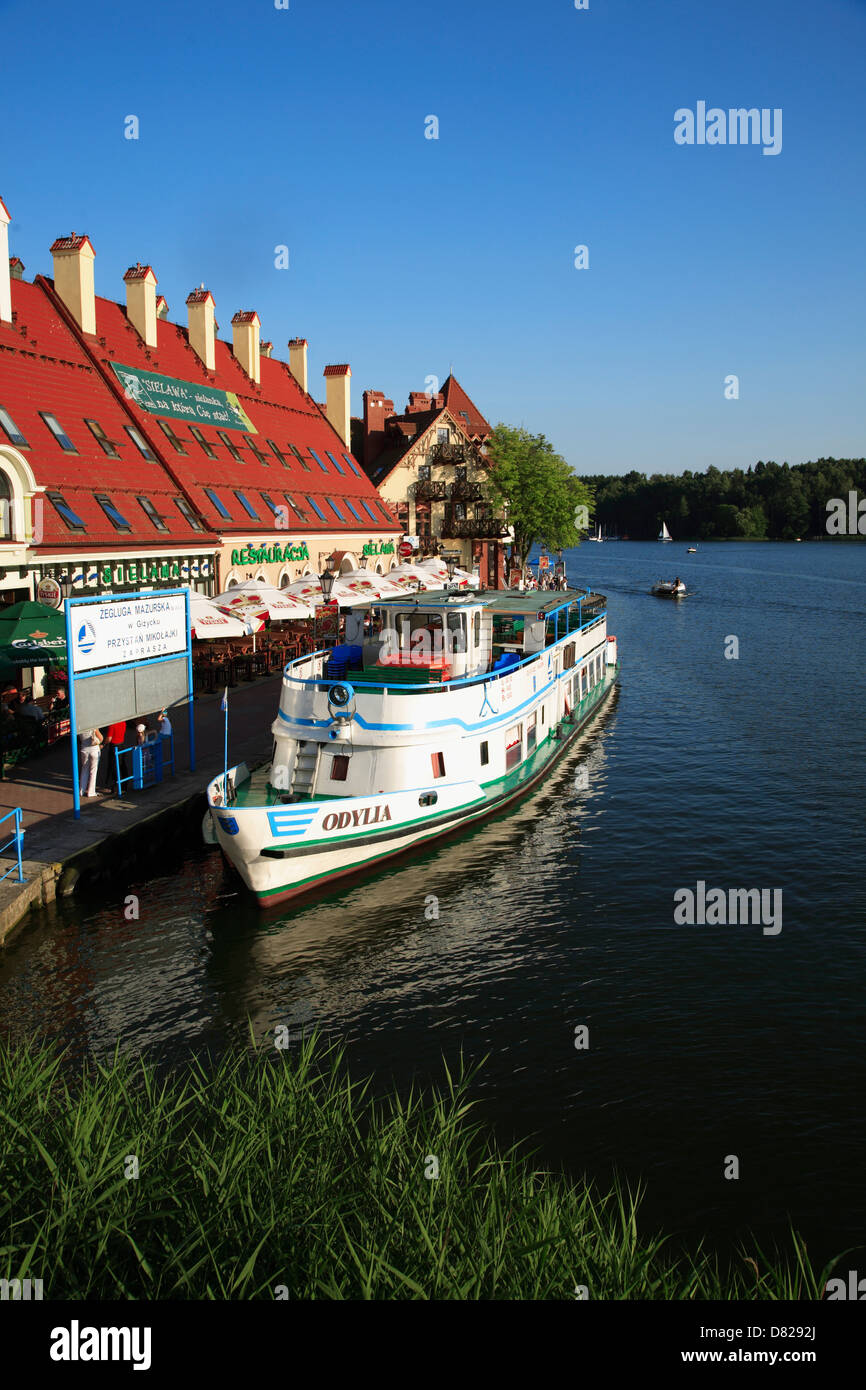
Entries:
{"x":270,"y":554}
{"x":183,"y":400}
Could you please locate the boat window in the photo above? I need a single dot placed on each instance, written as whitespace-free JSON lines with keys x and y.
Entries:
{"x":339,"y":767}
{"x":513,"y":745}
{"x":476,"y":622}
{"x":568,"y":656}
{"x":457,"y":632}
{"x":485,"y":753}
{"x":583,"y":681}
{"x":507,"y":627}
{"x":428,"y":799}
{"x":421,"y":633}
{"x":542,"y":714}
{"x":438,"y":761}
{"x":575,"y":688}
{"x":531,"y":731}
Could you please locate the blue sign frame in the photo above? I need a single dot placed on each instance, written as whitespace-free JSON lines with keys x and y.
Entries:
{"x":71,"y":603}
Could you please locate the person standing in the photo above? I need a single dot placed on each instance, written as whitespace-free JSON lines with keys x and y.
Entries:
{"x":89,"y":744}
{"x":115,"y":737}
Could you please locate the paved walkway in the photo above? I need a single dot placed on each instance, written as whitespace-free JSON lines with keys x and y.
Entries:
{"x":43,"y":789}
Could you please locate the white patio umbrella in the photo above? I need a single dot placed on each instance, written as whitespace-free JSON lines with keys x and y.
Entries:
{"x":363,"y":584}
{"x":410,"y":576}
{"x":263,"y":600}
{"x":207,"y":621}
{"x":461,"y":578}
{"x":257,"y":599}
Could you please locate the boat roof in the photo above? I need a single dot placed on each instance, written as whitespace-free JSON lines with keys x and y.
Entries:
{"x":514,"y":601}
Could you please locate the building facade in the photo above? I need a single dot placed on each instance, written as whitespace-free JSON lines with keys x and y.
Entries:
{"x":137,"y":453}
{"x":430,"y":465}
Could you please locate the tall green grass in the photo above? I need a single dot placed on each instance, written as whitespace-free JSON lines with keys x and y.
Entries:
{"x":274,"y":1175}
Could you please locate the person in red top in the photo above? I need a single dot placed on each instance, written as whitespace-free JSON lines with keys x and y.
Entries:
{"x":115,"y":737}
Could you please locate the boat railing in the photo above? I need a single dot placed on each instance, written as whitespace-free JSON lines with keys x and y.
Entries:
{"x":433,"y":686}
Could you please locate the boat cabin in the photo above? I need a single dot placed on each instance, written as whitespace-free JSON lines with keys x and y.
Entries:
{"x":442,"y":637}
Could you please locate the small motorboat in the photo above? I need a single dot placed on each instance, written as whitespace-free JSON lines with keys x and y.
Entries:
{"x":692,"y":550}
{"x":673,"y":588}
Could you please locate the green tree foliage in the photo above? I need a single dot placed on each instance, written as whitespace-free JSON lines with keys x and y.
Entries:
{"x":540,"y":490}
{"x":771,"y":501}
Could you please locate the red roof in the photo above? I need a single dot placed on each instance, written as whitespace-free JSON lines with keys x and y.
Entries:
{"x":44,"y":367}
{"x":280,"y":411}
{"x":342,"y":369}
{"x":460,"y":405}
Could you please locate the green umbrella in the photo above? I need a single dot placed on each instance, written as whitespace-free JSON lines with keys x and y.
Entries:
{"x":33,"y":627}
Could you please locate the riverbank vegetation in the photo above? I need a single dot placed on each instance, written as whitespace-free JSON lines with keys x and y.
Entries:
{"x":771,"y":501}
{"x":270,"y":1174}
{"x":546,"y":502}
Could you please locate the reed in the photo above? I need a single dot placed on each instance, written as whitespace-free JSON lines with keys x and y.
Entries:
{"x":274,"y":1174}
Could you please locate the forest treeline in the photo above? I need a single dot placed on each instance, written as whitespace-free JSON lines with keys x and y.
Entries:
{"x":771,"y":501}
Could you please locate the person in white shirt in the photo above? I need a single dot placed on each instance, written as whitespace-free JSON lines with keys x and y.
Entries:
{"x":164,"y":724}
{"x":89,"y":744}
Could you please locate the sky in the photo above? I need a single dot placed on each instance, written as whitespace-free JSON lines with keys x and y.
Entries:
{"x":307,"y":127}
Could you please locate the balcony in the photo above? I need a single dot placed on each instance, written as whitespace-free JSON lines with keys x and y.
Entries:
{"x":474,"y":528}
{"x":463,"y":491}
{"x":431,"y":490}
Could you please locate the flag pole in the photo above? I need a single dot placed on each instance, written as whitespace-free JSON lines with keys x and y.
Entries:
{"x":225,"y":706}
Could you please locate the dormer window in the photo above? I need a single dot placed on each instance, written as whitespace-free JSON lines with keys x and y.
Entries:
{"x":188,"y":514}
{"x":11,"y":429}
{"x":232,"y":448}
{"x":202,"y":442}
{"x":172,"y":438}
{"x":150,"y":511}
{"x":70,"y":518}
{"x":107,"y":445}
{"x":117,"y":519}
{"x":59,"y":433}
{"x":141,"y":443}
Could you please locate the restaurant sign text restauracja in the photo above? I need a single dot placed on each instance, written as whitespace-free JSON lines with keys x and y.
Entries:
{"x":269,"y":554}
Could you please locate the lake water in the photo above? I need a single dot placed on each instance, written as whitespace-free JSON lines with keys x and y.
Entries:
{"x":704,"y":1040}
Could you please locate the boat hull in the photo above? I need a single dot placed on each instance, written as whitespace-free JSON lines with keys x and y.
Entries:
{"x":365,"y":836}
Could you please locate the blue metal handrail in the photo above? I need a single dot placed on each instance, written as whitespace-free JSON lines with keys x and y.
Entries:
{"x":434,"y":685}
{"x":14,"y":840}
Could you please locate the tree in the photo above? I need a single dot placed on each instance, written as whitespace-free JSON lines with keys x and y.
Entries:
{"x":540,"y":491}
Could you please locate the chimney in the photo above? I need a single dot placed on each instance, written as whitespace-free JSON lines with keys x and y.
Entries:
{"x":161,"y":307}
{"x":418,"y":400}
{"x":298,"y":361}
{"x":337,"y":406}
{"x":5,"y":278}
{"x":73,"y":278}
{"x":140,"y":284}
{"x":245,"y":342}
{"x":16,"y":267}
{"x":266,"y":349}
{"x":200,"y":305}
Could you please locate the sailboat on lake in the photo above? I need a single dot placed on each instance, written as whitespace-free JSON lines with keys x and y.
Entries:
{"x":664,"y":533}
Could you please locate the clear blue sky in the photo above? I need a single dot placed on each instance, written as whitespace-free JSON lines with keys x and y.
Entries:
{"x":305,"y":127}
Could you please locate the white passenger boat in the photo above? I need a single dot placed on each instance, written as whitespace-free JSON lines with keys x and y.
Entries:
{"x":672,"y":588}
{"x":437,"y":711}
